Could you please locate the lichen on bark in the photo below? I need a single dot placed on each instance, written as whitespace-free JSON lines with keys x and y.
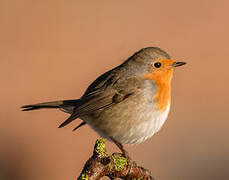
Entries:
{"x":102,"y":164}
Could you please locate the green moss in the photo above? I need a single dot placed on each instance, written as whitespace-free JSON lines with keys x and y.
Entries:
{"x":119,"y":162}
{"x":110,"y":168}
{"x":83,"y":177}
{"x":100,"y":148}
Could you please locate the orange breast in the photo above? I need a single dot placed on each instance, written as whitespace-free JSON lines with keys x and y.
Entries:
{"x":163,"y":81}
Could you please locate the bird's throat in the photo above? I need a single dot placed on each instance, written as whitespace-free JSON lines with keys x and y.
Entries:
{"x":163,"y":82}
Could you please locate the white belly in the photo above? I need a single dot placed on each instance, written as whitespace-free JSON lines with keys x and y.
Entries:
{"x":129,"y":129}
{"x":149,"y":128}
{"x":151,"y":124}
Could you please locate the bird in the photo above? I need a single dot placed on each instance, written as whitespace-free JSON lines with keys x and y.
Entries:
{"x":127,"y":104}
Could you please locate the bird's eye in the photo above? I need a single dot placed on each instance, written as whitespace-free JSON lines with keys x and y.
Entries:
{"x":157,"y":64}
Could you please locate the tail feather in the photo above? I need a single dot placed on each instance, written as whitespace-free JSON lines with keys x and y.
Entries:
{"x":80,"y":125}
{"x":54,"y":104}
{"x":66,"y":122}
{"x":66,"y":106}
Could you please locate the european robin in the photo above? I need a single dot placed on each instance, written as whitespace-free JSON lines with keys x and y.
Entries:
{"x":127,"y":104}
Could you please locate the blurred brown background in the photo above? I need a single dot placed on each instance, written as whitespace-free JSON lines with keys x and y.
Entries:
{"x":54,"y":49}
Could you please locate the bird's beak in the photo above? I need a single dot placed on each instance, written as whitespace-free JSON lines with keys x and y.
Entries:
{"x":176,"y":64}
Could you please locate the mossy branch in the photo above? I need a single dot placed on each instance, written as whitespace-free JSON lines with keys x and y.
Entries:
{"x":102,"y":164}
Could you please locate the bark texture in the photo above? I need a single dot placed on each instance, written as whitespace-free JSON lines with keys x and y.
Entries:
{"x":102,"y":164}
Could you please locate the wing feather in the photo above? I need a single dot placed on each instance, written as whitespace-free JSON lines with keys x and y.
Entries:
{"x":105,"y":91}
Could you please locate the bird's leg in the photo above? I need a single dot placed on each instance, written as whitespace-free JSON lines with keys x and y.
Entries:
{"x":120,"y":146}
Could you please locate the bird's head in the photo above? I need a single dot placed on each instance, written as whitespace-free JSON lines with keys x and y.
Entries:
{"x":156,"y":65}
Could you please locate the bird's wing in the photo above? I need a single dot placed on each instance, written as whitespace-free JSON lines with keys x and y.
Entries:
{"x":106,"y":91}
